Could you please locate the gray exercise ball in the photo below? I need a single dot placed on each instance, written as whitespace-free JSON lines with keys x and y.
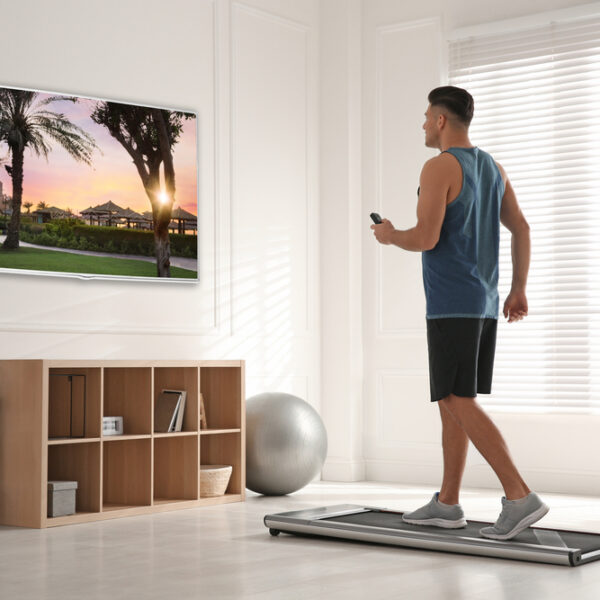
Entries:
{"x":286,"y":443}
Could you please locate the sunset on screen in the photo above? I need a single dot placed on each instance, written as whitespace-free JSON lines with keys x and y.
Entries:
{"x":65,"y":183}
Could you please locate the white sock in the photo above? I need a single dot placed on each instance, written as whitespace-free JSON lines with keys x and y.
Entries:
{"x":519,"y":500}
{"x":444,"y":504}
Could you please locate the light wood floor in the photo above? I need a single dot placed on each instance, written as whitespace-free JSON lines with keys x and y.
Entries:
{"x":226,"y":552}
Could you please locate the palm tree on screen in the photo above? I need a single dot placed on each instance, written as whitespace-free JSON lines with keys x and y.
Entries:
{"x":25,"y":122}
{"x":149,"y":135}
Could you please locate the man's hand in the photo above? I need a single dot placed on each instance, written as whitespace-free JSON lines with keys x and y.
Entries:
{"x":515,"y":307}
{"x":383,"y":232}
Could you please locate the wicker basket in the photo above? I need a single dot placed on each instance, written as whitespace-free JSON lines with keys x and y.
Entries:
{"x":214,"y":479}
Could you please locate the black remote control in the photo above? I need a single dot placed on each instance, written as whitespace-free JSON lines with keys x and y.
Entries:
{"x":376,"y":218}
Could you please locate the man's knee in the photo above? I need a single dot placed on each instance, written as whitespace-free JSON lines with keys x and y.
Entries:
{"x":456,"y":405}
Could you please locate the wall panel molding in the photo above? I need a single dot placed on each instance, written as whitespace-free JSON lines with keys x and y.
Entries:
{"x":384,"y":33}
{"x":306,"y":305}
{"x":270,"y":15}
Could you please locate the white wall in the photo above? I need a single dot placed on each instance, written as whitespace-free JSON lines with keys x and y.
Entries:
{"x":250,"y":70}
{"x":403,"y":58}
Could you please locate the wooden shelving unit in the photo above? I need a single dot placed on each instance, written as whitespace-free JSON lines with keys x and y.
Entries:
{"x":44,"y":403}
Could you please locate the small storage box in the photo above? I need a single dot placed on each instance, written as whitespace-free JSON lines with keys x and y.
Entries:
{"x":61,"y":498}
{"x":214,"y":479}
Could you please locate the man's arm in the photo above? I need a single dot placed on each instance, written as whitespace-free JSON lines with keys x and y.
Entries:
{"x":431,"y":208}
{"x":515,"y":307}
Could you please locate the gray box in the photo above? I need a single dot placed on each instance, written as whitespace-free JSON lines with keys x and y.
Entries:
{"x":61,"y":498}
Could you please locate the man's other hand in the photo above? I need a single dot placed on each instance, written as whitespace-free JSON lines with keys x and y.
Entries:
{"x":515,"y":307}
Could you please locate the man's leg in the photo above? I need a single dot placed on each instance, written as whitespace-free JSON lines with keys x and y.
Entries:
{"x":454,"y":445}
{"x":488,"y":440}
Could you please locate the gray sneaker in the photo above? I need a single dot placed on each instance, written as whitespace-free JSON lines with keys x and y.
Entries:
{"x":515,"y":517}
{"x":438,"y":515}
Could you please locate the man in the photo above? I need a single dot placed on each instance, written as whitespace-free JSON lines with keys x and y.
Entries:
{"x":464,"y":195}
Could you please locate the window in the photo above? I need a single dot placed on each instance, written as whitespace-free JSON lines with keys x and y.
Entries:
{"x":537,"y":111}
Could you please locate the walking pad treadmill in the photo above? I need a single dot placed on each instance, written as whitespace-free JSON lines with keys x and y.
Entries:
{"x":382,"y":526}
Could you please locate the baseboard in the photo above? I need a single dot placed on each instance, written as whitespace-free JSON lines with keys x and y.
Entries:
{"x":343,"y":469}
{"x":586,"y":483}
{"x":576,"y":482}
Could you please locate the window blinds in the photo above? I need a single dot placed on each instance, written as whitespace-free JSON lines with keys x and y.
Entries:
{"x":537,"y":111}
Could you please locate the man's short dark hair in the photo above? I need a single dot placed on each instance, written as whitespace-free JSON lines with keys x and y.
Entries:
{"x":454,"y":99}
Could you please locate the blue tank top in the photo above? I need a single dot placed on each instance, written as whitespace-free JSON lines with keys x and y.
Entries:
{"x":460,"y":274}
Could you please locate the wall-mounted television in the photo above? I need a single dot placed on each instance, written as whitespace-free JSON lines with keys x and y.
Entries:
{"x":97,"y":188}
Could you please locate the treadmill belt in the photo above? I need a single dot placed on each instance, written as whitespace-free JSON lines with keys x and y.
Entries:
{"x":586,"y":542}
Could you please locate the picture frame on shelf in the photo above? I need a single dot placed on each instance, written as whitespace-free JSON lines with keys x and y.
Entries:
{"x":67,"y":399}
{"x":112,"y":426}
{"x":169,"y":410}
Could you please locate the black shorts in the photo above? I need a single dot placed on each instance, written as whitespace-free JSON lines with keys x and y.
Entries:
{"x":461,"y":356}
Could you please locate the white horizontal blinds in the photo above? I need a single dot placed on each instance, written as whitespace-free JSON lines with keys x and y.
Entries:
{"x":537,"y":111}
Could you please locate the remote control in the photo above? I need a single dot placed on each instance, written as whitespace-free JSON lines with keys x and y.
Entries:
{"x":376,"y":218}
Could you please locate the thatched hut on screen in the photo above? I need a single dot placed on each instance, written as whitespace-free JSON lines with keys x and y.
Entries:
{"x":104,"y":214}
{"x":183,"y":221}
{"x":130,"y":219}
{"x":47,"y":214}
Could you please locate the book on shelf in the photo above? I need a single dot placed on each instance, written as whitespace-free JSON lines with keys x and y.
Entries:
{"x":203,"y":423}
{"x":168,"y":411}
{"x":180,"y":409}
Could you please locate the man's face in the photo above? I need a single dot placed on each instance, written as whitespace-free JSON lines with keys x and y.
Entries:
{"x":431,"y":127}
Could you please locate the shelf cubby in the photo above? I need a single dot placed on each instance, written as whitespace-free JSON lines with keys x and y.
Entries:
{"x":81,"y":463}
{"x":128,"y":393}
{"x":180,"y":378}
{"x":176,"y":468}
{"x":225,"y":449}
{"x":127,"y":473}
{"x":221,"y":388}
{"x":74,"y":399}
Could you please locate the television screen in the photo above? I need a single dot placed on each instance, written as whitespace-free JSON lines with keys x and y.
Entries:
{"x":97,"y":188}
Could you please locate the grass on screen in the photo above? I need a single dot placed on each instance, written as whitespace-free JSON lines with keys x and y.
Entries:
{"x":66,"y":262}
